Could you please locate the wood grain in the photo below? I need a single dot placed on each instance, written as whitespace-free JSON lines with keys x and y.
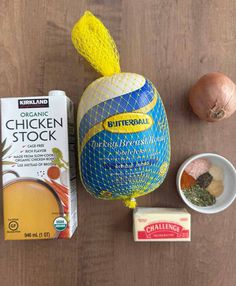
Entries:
{"x":172,"y":43}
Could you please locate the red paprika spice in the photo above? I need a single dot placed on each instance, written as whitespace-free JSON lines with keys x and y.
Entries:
{"x":186,"y":181}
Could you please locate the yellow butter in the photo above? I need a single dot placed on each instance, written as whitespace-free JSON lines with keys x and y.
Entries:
{"x":161,"y":224}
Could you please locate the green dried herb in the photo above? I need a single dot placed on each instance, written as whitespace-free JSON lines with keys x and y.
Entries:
{"x":204,"y":180}
{"x":199,"y":196}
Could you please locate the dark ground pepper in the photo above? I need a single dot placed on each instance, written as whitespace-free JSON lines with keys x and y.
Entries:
{"x":204,"y":180}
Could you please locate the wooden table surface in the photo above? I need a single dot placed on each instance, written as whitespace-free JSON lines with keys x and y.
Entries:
{"x":172,"y":43}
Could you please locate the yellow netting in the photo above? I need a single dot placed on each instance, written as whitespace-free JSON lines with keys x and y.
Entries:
{"x":94,"y":42}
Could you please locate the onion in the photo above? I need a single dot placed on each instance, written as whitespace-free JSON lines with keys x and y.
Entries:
{"x":213,"y":97}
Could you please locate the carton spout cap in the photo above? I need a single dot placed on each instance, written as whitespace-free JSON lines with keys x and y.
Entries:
{"x":56,"y":92}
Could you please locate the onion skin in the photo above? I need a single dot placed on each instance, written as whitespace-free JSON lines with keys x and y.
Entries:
{"x":213,"y":97}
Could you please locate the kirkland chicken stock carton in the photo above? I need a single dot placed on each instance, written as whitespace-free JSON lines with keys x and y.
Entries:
{"x":38,"y":167}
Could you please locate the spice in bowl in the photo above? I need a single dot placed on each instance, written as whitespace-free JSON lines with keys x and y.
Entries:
{"x":202,"y":182}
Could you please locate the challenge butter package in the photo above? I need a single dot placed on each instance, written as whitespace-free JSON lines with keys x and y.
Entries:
{"x":38,"y":167}
{"x":161,"y":224}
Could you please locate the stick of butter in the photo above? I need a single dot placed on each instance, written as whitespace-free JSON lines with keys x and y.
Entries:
{"x":161,"y":224}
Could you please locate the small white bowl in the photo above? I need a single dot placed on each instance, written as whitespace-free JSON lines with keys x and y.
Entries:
{"x":229,"y":194}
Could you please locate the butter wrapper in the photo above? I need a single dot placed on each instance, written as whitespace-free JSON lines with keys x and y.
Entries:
{"x":161,"y":224}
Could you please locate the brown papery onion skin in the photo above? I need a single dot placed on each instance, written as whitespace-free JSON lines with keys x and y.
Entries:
{"x":213,"y":97}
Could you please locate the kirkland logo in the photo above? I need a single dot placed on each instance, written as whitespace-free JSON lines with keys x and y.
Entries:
{"x":33,"y":103}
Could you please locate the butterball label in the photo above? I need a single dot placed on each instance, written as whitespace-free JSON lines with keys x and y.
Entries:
{"x":33,"y":103}
{"x":129,"y":122}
